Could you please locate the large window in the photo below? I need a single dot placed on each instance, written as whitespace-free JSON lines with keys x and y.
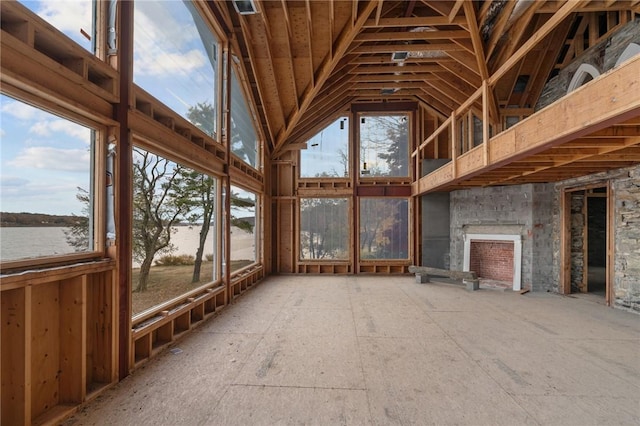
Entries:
{"x":243,"y":228}
{"x":384,"y":145}
{"x":175,"y":59}
{"x":47,"y":185}
{"x":175,"y":216}
{"x":244,"y":141}
{"x":384,"y":228}
{"x":327,"y":153}
{"x":324,"y":229}
{"x":74,"y":18}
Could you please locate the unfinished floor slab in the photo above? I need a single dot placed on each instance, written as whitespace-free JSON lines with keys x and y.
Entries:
{"x":386,"y":350}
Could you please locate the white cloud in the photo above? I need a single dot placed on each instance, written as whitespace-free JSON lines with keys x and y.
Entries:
{"x":163,"y":22}
{"x":67,"y":16}
{"x":164,"y":40}
{"x":12,"y":182}
{"x":71,"y":160}
{"x":168,"y":63}
{"x":20,"y":110}
{"x":49,"y":127}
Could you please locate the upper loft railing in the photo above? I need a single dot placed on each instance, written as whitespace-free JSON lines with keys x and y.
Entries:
{"x":592,"y":122}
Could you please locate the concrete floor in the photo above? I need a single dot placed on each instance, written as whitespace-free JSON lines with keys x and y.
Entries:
{"x":385,"y":350}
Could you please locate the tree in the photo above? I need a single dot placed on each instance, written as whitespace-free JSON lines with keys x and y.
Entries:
{"x":240,"y":203}
{"x":324,"y":228}
{"x":199,"y":195}
{"x":397,"y":155}
{"x":203,"y":116}
{"x":77,"y":235}
{"x":395,"y":239}
{"x":158,"y":204}
{"x":388,"y":137}
{"x":200,"y":186}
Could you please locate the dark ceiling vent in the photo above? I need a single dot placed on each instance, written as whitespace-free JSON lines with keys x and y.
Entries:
{"x":399,"y":56}
{"x":388,"y":91}
{"x":245,"y":7}
{"x":521,"y":84}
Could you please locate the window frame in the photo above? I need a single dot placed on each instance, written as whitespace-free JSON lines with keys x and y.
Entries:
{"x":410,"y":236}
{"x":348,"y":150}
{"x":349,"y":215}
{"x":98,"y":194}
{"x":218,"y":229}
{"x":359,"y":161}
{"x":257,"y":230}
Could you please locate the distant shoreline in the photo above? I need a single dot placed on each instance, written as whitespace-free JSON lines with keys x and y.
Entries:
{"x":23,"y":220}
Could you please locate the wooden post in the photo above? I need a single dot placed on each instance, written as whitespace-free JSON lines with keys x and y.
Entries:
{"x":485,"y":121}
{"x":610,"y":265}
{"x":454,"y":147}
{"x":226,"y":140}
{"x":123,"y":186}
{"x":565,"y":243}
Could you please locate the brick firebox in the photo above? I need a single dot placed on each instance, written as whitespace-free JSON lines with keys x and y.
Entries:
{"x":494,"y":256}
{"x":492,"y":259}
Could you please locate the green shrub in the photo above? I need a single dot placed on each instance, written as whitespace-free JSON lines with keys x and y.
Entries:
{"x":176,"y":260}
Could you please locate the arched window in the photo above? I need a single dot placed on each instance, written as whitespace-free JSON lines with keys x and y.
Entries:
{"x":632,"y":50}
{"x":583,"y":75}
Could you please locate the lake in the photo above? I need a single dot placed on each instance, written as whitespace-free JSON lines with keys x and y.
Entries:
{"x":25,"y":242}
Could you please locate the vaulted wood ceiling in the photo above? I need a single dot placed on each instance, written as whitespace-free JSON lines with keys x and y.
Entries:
{"x":307,"y":60}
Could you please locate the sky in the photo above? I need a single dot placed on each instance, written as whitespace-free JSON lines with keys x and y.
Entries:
{"x":322,"y":153}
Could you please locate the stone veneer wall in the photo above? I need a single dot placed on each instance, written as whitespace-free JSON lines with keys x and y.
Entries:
{"x":525,"y":210}
{"x":578,"y":221}
{"x":626,"y":290}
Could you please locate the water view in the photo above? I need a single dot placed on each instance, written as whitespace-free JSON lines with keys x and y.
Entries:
{"x":26,"y":242}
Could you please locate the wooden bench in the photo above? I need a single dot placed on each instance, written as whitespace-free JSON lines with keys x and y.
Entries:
{"x":469,"y":278}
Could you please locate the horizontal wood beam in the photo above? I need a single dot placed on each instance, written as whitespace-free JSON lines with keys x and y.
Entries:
{"x":412,"y":35}
{"x":426,"y":21}
{"x":390,"y":48}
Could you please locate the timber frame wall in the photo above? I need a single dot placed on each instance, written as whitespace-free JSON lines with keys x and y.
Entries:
{"x":67,"y":328}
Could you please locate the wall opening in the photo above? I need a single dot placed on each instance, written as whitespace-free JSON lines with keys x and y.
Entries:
{"x":586,"y":242}
{"x":597,"y":242}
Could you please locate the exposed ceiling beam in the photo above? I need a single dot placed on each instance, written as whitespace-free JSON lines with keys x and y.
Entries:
{"x":412,"y":35}
{"x":426,"y":21}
